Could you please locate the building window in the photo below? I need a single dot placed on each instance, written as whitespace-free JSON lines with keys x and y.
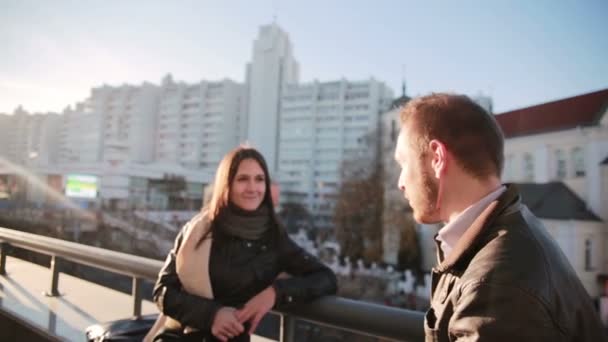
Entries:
{"x":578,"y":161}
{"x":528,"y":167}
{"x":588,"y":255}
{"x":560,"y":160}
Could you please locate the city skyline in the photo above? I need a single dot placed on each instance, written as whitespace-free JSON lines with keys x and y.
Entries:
{"x":54,"y":54}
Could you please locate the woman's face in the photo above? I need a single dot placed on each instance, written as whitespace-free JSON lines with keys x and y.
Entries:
{"x":248,"y":186}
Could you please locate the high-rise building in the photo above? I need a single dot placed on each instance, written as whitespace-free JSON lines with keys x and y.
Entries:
{"x":81,"y":134}
{"x":198,"y":123}
{"x":16,"y":135}
{"x":129,"y":116}
{"x":324,"y":124}
{"x":149,"y":134}
{"x":30,"y":139}
{"x":272,"y":67}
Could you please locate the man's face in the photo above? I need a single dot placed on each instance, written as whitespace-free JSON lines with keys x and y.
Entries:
{"x":416,"y":180}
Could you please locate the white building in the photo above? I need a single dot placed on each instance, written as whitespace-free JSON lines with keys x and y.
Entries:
{"x":30,"y":139}
{"x":129,"y":115}
{"x":16,"y":135}
{"x":566,"y":141}
{"x":322,"y":125}
{"x":121,"y":131}
{"x":138,"y":139}
{"x":580,"y":233}
{"x":81,"y":135}
{"x":272,"y":67}
{"x":199,"y":123}
{"x":115,"y":126}
{"x":563,"y":140}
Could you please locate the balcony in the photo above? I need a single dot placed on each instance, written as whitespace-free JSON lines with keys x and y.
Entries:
{"x":43,"y":306}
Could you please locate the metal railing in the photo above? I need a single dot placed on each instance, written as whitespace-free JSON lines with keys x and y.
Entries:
{"x":331,"y":311}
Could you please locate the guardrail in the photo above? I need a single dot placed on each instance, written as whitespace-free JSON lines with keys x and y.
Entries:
{"x":331,"y":311}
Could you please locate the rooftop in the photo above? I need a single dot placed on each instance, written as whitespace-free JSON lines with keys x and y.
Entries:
{"x":578,"y":111}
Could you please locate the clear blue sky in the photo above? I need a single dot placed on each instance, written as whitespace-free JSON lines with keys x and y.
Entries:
{"x":519,"y":52}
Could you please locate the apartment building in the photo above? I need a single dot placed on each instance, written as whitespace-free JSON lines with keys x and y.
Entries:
{"x":198,"y":123}
{"x":323,"y":125}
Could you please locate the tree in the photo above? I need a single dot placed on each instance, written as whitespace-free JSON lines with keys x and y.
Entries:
{"x":358,"y":211}
{"x":366,"y":209}
{"x":295,"y":216}
{"x":399,"y":216}
{"x":358,"y":217}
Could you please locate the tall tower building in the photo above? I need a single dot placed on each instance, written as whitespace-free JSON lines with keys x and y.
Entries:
{"x":272,"y":67}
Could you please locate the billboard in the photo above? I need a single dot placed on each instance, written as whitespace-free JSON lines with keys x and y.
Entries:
{"x":81,"y":186}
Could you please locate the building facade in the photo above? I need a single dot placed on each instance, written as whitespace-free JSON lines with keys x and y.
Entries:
{"x":198,"y":123}
{"x":272,"y":67}
{"x":28,"y":139}
{"x":324,"y":124}
{"x":566,"y":141}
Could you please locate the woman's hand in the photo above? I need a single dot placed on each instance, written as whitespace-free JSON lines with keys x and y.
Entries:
{"x":255,"y":309}
{"x":226,"y":325}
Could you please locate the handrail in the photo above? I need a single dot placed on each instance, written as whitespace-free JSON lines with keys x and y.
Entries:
{"x":122,"y":263}
{"x":363,"y":318}
{"x":341,"y":313}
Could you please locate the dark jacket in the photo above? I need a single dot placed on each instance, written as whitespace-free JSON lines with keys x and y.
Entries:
{"x":239,"y":269}
{"x":507,"y":280}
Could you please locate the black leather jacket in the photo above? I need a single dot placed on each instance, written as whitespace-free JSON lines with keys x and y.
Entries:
{"x":508,"y":280}
{"x":239,"y":269}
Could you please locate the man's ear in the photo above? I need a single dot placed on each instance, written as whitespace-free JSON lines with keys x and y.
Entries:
{"x":439,"y":157}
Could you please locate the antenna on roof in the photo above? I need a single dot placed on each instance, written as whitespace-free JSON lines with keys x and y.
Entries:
{"x":403,"y":80}
{"x":274,"y":11}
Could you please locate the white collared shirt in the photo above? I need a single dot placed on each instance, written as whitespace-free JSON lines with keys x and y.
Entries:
{"x":449,"y":235}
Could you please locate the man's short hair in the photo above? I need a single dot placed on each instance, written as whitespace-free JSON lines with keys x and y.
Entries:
{"x":471,"y":134}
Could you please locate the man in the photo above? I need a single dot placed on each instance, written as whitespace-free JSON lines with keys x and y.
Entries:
{"x":500,"y":277}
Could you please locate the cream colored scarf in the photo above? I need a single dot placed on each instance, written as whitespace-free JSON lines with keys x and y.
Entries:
{"x":192,"y":264}
{"x":192,"y":267}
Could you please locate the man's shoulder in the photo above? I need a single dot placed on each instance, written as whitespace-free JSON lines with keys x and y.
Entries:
{"x":522,"y":259}
{"x":511,"y":254}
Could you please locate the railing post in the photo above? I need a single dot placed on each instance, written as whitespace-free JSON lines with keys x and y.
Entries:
{"x":55,"y":265}
{"x":3,"y":252}
{"x":137,"y":296}
{"x":288,"y":328}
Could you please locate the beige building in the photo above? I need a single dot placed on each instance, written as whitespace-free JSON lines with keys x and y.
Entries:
{"x":561,"y":149}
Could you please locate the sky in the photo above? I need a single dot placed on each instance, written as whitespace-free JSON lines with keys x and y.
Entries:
{"x":520,"y":53}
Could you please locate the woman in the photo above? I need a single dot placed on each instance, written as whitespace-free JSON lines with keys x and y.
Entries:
{"x":222,"y":276}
